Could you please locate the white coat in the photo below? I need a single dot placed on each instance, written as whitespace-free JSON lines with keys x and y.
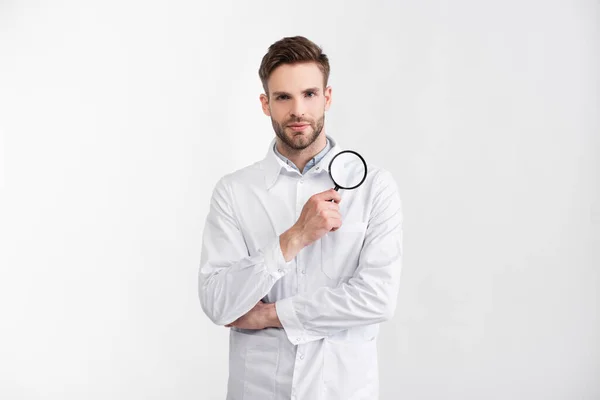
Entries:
{"x":330,"y":298}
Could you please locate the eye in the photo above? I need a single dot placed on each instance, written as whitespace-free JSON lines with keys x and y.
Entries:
{"x":282,"y":97}
{"x":308,"y":94}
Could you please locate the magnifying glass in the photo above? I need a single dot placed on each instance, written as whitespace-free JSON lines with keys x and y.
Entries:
{"x":348,"y":170}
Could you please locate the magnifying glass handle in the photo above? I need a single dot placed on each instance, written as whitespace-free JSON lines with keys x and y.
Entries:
{"x":336,"y":189}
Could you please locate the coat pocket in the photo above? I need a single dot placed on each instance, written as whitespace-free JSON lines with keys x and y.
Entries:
{"x":351,"y":369}
{"x":340,"y":250}
{"x":252,"y":366}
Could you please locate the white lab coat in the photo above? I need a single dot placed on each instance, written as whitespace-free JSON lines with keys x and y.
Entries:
{"x":330,"y":298}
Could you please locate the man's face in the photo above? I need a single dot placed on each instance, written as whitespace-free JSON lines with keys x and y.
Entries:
{"x":297,"y":103}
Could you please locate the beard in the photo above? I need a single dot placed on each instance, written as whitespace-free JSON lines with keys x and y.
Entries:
{"x":298,"y":140}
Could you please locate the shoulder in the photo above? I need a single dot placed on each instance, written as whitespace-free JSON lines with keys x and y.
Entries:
{"x":383,"y":195}
{"x":247,"y":175}
{"x":379,"y":178}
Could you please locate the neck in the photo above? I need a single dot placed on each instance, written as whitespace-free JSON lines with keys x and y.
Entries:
{"x":301,"y":157}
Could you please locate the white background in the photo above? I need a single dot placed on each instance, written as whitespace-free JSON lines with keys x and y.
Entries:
{"x":118,"y":117}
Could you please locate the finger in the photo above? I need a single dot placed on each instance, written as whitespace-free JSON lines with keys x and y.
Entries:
{"x":329,"y":195}
{"x":332,"y":213}
{"x":334,"y":220}
{"x":329,"y":205}
{"x":337,"y":223}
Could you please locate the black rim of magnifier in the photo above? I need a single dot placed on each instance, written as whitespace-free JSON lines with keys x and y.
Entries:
{"x":364,"y":175}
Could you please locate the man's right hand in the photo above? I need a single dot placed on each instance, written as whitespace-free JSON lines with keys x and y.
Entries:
{"x":319,"y":216}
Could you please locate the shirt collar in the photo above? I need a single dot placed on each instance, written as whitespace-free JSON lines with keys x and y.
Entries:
{"x":311,"y":163}
{"x":272,"y":163}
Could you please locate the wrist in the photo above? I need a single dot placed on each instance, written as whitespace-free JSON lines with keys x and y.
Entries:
{"x":272,"y":320}
{"x":291,"y":243}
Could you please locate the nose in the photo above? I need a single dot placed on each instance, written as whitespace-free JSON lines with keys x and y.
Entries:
{"x":298,"y":109}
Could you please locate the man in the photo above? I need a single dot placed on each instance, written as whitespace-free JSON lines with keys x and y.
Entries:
{"x":302,"y":274}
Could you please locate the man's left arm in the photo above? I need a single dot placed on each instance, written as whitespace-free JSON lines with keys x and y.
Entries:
{"x":370,"y":295}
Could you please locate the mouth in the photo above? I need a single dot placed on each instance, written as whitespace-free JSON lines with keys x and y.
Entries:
{"x":298,"y":127}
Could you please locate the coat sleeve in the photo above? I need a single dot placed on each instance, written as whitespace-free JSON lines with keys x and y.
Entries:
{"x":230,"y":281}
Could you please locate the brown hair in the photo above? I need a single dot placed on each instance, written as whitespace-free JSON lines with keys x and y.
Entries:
{"x":292,"y":50}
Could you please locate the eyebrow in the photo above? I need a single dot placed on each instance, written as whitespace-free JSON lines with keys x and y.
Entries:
{"x":314,"y":89}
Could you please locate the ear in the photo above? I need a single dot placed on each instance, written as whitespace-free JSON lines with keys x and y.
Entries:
{"x":264,"y":100}
{"x":327,"y":94}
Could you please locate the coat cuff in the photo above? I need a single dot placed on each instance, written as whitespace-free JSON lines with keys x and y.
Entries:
{"x":294,"y":330}
{"x":274,"y":261}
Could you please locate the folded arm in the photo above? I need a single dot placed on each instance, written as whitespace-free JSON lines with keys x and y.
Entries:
{"x":230,"y":281}
{"x":369,"y":296}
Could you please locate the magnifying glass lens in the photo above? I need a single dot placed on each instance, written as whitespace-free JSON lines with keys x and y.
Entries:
{"x":348,"y":170}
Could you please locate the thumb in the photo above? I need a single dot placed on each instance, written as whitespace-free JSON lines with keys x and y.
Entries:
{"x":331,"y":194}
